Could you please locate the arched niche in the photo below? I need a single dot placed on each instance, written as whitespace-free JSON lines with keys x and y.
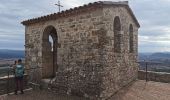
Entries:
{"x":49,"y":52}
{"x":117,"y":35}
{"x":131,"y":48}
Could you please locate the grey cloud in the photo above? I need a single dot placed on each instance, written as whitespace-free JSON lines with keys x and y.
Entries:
{"x":155,"y":12}
{"x":152,"y":15}
{"x":153,"y":47}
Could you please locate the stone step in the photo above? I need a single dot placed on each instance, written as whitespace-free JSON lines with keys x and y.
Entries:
{"x":45,"y":83}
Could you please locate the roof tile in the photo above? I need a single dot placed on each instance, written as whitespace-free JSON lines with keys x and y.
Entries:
{"x":80,"y":9}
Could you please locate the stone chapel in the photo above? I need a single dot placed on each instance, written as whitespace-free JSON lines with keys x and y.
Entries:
{"x":88,"y":51}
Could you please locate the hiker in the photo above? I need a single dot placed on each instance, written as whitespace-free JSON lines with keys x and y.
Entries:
{"x":19,"y":75}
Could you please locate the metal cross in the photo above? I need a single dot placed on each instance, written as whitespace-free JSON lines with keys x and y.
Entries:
{"x":59,"y":5}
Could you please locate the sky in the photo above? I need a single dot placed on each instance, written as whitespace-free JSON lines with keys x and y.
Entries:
{"x":153,"y":16}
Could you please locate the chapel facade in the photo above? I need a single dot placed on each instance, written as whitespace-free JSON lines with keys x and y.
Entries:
{"x":89,"y":51}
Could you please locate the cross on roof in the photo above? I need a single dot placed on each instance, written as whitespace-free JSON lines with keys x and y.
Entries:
{"x":59,"y":5}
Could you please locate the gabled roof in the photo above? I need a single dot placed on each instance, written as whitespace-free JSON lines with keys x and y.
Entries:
{"x":80,"y":9}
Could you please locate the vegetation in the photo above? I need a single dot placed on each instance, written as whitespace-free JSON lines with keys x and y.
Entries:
{"x":159,"y":62}
{"x":5,"y":71}
{"x":4,"y":65}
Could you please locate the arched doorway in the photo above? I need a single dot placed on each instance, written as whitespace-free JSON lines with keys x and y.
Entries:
{"x":49,"y":52}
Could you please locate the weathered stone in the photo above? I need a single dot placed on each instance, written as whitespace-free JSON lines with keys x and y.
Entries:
{"x":91,"y":55}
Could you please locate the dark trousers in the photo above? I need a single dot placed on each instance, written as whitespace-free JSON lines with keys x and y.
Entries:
{"x":19,"y":84}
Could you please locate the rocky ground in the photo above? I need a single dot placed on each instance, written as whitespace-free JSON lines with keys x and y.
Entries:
{"x":139,"y":90}
{"x":39,"y":95}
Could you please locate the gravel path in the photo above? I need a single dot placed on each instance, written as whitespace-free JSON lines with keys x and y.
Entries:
{"x":38,"y":95}
{"x":139,"y":90}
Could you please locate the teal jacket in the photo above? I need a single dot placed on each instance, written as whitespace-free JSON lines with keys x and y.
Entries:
{"x":19,"y":70}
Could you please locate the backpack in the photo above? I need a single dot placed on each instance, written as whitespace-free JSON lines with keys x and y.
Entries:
{"x":19,"y":71}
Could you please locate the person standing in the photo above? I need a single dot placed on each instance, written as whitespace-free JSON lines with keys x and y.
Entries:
{"x":19,"y":75}
{"x":14,"y":66}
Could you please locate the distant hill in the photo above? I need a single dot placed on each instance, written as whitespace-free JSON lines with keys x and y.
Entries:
{"x":5,"y":54}
{"x":165,"y":55}
{"x":144,"y":56}
{"x":155,"y":56}
{"x":159,"y":61}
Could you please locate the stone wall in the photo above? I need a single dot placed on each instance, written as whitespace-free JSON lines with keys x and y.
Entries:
{"x":86,"y":62}
{"x":79,"y":70}
{"x":119,"y":68}
{"x":154,"y":76}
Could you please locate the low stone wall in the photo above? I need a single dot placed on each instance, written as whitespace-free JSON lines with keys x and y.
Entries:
{"x":154,"y":76}
{"x":7,"y":84}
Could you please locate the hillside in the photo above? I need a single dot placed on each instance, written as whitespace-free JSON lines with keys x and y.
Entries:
{"x":157,"y":57}
{"x":159,"y":62}
{"x":6,"y":54}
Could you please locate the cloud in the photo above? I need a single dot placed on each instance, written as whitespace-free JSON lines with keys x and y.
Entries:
{"x":152,"y":15}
